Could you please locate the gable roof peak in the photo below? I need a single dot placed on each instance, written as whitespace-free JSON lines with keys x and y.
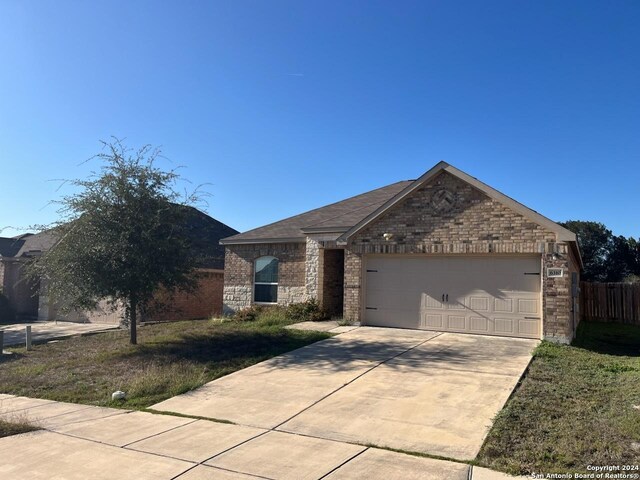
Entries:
{"x":562,"y":234}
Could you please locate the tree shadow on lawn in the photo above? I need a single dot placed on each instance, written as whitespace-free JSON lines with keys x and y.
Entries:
{"x":609,"y":338}
{"x":222,"y":347}
{"x":334,"y":354}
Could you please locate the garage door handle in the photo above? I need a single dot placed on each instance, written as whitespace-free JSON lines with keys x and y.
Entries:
{"x":447,"y":298}
{"x":443,"y":298}
{"x":371,"y":308}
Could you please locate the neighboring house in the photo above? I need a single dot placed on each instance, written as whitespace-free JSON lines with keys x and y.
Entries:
{"x":29,"y":299}
{"x":20,"y":291}
{"x":444,"y":252}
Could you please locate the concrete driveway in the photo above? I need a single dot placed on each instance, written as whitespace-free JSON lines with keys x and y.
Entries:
{"x":419,"y":391}
{"x":14,"y":334}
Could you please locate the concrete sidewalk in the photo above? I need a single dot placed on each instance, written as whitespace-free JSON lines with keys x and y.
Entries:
{"x":80,"y":441}
{"x":14,"y":334}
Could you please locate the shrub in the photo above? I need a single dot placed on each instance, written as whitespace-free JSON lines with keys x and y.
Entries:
{"x":248,"y":314}
{"x":308,"y":311}
{"x":279,"y":315}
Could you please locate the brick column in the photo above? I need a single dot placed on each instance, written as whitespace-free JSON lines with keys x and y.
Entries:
{"x":352,"y":285}
{"x":556,"y":295}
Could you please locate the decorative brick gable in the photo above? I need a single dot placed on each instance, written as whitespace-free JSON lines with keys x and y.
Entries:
{"x":449,"y":216}
{"x":474,"y":223}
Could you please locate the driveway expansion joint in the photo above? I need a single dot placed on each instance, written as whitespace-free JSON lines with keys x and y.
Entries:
{"x":159,"y":433}
{"x":377,"y":364}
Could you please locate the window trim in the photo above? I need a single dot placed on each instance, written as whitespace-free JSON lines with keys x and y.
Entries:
{"x":253,"y":293}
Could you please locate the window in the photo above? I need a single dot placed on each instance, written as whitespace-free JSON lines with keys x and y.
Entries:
{"x":265,"y":288}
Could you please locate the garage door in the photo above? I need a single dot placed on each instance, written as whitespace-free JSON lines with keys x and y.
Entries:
{"x":483,"y":295}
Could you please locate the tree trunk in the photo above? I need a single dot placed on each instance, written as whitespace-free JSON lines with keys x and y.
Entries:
{"x":133,"y":320}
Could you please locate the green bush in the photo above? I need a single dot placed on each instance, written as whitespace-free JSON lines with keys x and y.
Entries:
{"x":248,"y":314}
{"x":278,"y":315}
{"x":308,"y":311}
{"x":7,"y":315}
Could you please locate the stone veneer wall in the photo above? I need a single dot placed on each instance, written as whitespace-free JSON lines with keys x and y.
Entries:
{"x":475,"y":224}
{"x":238,"y":276}
{"x":314,"y":268}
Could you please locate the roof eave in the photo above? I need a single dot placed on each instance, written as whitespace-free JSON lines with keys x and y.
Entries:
{"x":312,"y":230}
{"x":255,"y":241}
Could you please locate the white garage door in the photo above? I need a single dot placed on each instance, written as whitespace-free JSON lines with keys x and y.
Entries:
{"x":484,"y":295}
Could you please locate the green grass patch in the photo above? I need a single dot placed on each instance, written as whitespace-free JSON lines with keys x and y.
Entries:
{"x":574,"y":407}
{"x":171,"y":358}
{"x":15,"y":427}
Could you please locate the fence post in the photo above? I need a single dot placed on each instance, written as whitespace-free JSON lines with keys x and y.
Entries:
{"x":28,"y":337}
{"x":1,"y":341}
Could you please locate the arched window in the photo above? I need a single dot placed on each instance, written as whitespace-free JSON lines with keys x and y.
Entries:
{"x":265,"y":285}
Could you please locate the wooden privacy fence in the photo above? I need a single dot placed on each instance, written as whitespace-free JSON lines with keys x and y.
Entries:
{"x":610,"y":302}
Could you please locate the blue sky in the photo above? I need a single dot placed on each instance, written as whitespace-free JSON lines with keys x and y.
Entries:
{"x":286,"y":106}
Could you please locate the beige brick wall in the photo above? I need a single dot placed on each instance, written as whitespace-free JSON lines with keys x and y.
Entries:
{"x":238,"y":276}
{"x":475,"y":224}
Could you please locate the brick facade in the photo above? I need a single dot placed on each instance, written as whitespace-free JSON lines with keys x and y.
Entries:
{"x":475,"y":224}
{"x":239,"y":271}
{"x":204,"y":302}
{"x":445,"y":216}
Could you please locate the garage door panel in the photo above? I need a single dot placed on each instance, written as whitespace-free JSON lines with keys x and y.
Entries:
{"x":395,"y":300}
{"x":457,"y":304}
{"x":431,"y":320}
{"x":479,"y":324}
{"x":383,"y":317}
{"x":503,"y":305}
{"x":528,"y":327}
{"x":495,"y":295}
{"x":504,"y":326}
{"x":456,"y":322}
{"x":479,"y":304}
{"x":528,"y":305}
{"x":431,"y":301}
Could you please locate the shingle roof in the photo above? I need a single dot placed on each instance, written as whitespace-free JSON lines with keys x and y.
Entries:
{"x":204,"y":235}
{"x":337,"y":217}
{"x":37,"y":243}
{"x":10,"y":246}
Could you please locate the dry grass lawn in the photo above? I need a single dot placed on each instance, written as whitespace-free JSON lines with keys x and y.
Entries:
{"x":171,"y":358}
{"x":577,"y":405}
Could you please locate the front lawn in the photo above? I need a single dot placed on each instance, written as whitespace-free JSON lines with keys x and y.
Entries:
{"x":171,"y":358}
{"x":577,"y":405}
